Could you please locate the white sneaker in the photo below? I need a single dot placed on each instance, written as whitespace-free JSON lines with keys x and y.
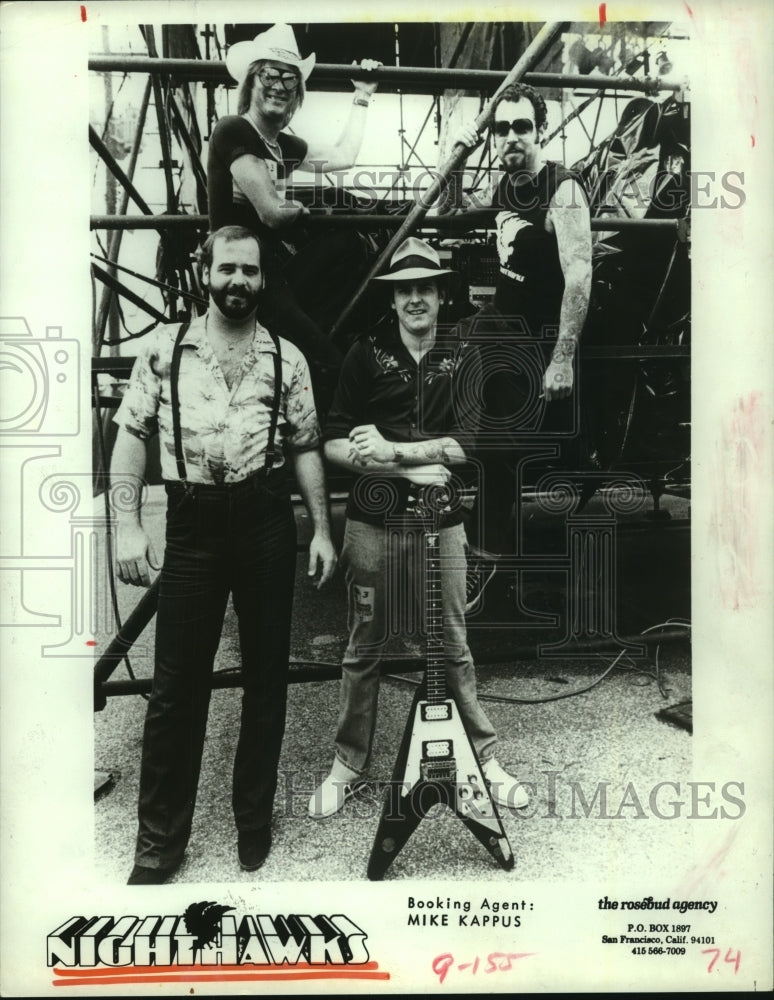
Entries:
{"x":331,"y":795}
{"x":478,"y":575}
{"x":506,"y":790}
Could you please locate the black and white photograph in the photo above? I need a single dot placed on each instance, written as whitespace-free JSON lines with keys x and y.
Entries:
{"x":387,"y":451}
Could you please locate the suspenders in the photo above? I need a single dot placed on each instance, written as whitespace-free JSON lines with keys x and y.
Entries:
{"x":174,"y":379}
{"x":174,"y":375}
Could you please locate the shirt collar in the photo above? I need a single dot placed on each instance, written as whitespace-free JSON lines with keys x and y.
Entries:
{"x":195,"y":336}
{"x":388,"y":335}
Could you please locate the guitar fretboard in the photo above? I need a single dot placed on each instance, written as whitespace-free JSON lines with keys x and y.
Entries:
{"x":435,"y":675}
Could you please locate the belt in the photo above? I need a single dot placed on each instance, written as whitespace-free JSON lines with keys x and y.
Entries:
{"x":253,"y":482}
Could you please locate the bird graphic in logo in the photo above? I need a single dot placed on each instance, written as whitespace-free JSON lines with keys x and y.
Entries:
{"x":202,"y":920}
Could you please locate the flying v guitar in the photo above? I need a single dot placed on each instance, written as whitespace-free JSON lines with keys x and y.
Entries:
{"x":436,"y":761}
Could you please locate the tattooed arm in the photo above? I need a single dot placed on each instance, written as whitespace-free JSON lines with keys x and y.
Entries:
{"x":344,"y":453}
{"x":569,"y":216}
{"x":370,"y":449}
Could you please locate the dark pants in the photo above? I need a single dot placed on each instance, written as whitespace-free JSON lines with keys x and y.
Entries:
{"x":232,"y":539}
{"x":515,"y":420}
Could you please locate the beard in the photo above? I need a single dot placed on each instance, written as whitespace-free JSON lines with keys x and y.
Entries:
{"x":513,"y":160}
{"x":234,"y":304}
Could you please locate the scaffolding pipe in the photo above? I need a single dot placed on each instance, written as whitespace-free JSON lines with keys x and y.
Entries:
{"x":197,"y":299}
{"x":114,"y":245}
{"x":306,"y":671}
{"x":123,"y":641}
{"x":110,"y":161}
{"x":117,"y":286}
{"x":163,"y":122}
{"x":429,"y":79}
{"x":544,"y":39}
{"x":121,"y":367}
{"x":479,"y":219}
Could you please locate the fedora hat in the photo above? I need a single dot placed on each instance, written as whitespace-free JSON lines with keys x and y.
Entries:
{"x":414,"y":259}
{"x":277,"y":43}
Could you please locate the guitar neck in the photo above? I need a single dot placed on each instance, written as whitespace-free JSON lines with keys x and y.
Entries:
{"x":435,"y":675}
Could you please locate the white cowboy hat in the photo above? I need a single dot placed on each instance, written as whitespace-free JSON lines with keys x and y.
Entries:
{"x":414,"y":259}
{"x":277,"y":43}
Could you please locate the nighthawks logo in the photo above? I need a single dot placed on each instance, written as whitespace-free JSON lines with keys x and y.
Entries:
{"x":203,"y":921}
{"x":208,"y":944}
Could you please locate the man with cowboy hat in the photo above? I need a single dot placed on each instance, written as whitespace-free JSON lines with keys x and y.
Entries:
{"x":250,"y":161}
{"x":401,"y":411}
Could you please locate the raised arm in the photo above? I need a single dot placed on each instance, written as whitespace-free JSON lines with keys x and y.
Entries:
{"x":343,"y":154}
{"x":569,"y":216}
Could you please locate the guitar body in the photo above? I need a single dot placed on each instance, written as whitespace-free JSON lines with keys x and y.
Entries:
{"x":436,"y":763}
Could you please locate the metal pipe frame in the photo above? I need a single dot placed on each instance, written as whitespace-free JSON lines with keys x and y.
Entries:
{"x":304,"y":671}
{"x":196,"y":299}
{"x":123,"y":641}
{"x":426,"y":79}
{"x":114,"y":244}
{"x":479,"y":219}
{"x":177,"y":70}
{"x":121,"y":367}
{"x":117,"y":286}
{"x":163,"y":121}
{"x":111,"y":163}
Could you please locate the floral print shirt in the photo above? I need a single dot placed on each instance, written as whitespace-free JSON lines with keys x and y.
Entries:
{"x":224,"y":431}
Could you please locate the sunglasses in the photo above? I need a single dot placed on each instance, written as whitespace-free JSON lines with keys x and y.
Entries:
{"x":521,"y":126}
{"x":270,"y":77}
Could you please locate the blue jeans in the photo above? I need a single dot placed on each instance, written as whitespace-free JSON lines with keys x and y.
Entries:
{"x":384,"y":574}
{"x":233,"y":539}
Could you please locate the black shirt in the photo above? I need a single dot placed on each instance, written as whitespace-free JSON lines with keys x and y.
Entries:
{"x":380,"y":383}
{"x":232,"y":137}
{"x":530,"y":283}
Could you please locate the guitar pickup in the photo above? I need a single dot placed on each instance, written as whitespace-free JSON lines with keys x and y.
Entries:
{"x":437,"y":712}
{"x":438,"y":763}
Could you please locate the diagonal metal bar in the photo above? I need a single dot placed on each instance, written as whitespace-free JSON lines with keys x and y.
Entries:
{"x":573,"y":114}
{"x":119,"y":287}
{"x":150,"y":281}
{"x":196,"y":162}
{"x":163,"y":121}
{"x":114,"y":243}
{"x":104,"y":153}
{"x":461,"y":42}
{"x":544,"y":39}
{"x":120,"y":645}
{"x":580,"y":122}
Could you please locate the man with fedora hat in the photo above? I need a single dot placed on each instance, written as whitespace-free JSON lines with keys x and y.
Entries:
{"x":401,"y":415}
{"x":250,"y":161}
